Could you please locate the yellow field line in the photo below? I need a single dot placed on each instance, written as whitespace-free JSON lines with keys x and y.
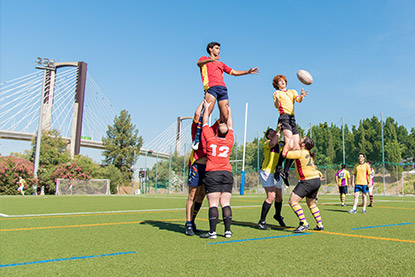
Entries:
{"x":85,"y":225}
{"x":364,"y":237}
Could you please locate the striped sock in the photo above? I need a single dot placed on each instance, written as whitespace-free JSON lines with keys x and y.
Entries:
{"x":371,"y":199}
{"x":316,"y":213}
{"x":198,"y":130}
{"x":343,"y":198}
{"x":300,"y":213}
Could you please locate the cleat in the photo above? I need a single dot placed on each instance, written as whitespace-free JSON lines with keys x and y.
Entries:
{"x":317,"y":228}
{"x":284,"y":177}
{"x":343,"y":205}
{"x":189,"y":231}
{"x":277,"y":175}
{"x":208,"y":235}
{"x":302,"y":228}
{"x":228,"y":234}
{"x":352,"y":211}
{"x":195,"y":145}
{"x":280,"y":220}
{"x":370,"y":205}
{"x":263,"y":226}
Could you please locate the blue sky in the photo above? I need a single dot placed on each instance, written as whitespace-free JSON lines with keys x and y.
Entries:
{"x":143,"y":55}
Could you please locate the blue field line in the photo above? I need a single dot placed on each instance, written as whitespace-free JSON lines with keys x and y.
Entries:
{"x":274,"y":237}
{"x":380,"y":226}
{"x":68,"y":259}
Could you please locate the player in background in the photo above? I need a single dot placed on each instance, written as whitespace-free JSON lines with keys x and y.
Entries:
{"x":308,"y":185}
{"x":272,"y":151}
{"x":22,"y":184}
{"x":211,"y":71}
{"x":197,"y":166}
{"x":218,"y":178}
{"x":360,"y":181}
{"x":343,"y":180}
{"x":371,"y":185}
{"x":284,"y":101}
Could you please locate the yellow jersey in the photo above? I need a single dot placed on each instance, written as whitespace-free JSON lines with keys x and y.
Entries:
{"x":362,"y":174}
{"x":271,"y":156}
{"x":304,"y":164}
{"x":286,"y":100}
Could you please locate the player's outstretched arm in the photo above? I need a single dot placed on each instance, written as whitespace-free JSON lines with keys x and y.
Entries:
{"x":198,"y":112}
{"x":276,"y":138}
{"x":254,"y":70}
{"x":203,"y":62}
{"x":229,"y":122}
{"x":302,"y":95}
{"x":206,"y":105}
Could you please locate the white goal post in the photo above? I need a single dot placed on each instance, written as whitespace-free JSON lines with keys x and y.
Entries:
{"x":82,"y":187}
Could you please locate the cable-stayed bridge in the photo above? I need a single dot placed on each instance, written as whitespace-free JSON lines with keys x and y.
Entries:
{"x":65,"y":97}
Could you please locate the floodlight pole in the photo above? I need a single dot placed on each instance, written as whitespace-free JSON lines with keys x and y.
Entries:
{"x":344,"y":155}
{"x":383,"y":157}
{"x":242,"y":191}
{"x":179,"y":128}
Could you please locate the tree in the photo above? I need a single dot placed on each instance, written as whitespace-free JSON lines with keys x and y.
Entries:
{"x":122,"y":144}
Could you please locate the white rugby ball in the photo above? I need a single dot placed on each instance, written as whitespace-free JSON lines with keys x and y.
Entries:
{"x":304,"y":77}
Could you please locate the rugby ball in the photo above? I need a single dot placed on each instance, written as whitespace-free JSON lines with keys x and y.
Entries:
{"x":304,"y":77}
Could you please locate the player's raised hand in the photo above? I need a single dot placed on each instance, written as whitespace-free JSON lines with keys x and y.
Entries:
{"x":254,"y":70}
{"x":304,"y":93}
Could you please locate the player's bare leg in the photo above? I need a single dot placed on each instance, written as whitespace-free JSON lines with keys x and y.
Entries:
{"x":223,"y":109}
{"x":189,"y":210}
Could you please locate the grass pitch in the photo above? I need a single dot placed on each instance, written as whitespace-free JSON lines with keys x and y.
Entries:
{"x":141,"y":235}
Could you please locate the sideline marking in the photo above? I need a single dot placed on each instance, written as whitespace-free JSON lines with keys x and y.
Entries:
{"x":273,"y":237}
{"x":68,"y":259}
{"x":380,"y":226}
{"x":364,"y":237}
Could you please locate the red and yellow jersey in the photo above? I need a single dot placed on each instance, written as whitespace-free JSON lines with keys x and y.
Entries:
{"x":286,"y":100}
{"x":199,"y":153}
{"x":362,"y":174}
{"x":271,"y":156}
{"x":212,"y":73}
{"x":217,"y":150}
{"x":304,"y":164}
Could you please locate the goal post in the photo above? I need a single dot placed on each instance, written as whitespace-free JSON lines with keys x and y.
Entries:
{"x":82,"y":187}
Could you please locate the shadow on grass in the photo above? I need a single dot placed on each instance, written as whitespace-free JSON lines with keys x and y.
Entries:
{"x":164,"y":225}
{"x":255,"y":226}
{"x":337,"y":211}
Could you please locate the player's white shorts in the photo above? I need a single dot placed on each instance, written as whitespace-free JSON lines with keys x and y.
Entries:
{"x":267,"y":180}
{"x":371,"y":190}
{"x":20,"y":188}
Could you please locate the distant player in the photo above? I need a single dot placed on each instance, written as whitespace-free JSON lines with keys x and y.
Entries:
{"x":308,"y":185}
{"x":197,"y":166}
{"x":284,"y":101}
{"x":371,"y":183}
{"x":272,"y":151}
{"x":360,"y":181}
{"x":343,"y":180}
{"x":218,"y":178}
{"x":22,"y":184}
{"x":211,"y":70}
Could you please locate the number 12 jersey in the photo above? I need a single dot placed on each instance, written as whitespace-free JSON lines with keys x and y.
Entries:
{"x":218,"y":150}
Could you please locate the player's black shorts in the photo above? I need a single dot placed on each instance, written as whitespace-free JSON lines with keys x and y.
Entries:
{"x":218,"y":181}
{"x":196,"y":175}
{"x":288,"y":123}
{"x":308,"y":188}
{"x":343,"y":189}
{"x":219,"y":92}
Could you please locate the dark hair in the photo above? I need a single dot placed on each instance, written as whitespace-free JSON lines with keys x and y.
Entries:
{"x":364,"y":156}
{"x":276,"y":79}
{"x":267,"y":133}
{"x":343,"y":166}
{"x":369,"y":162}
{"x":211,"y":45}
{"x":309,"y":144}
{"x":222,"y":134}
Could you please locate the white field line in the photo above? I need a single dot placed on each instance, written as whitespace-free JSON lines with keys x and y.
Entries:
{"x":159,"y":210}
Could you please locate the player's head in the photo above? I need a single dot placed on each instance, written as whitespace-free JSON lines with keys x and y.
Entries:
{"x":369,"y":162}
{"x":343,"y":166}
{"x":277,"y":82}
{"x":361,"y":157}
{"x":308,"y":143}
{"x":222,"y":130}
{"x":270,"y":133}
{"x":211,"y":45}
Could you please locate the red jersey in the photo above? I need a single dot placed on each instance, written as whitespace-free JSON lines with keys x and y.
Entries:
{"x":212,"y":73}
{"x":200,"y":152}
{"x":218,"y":150}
